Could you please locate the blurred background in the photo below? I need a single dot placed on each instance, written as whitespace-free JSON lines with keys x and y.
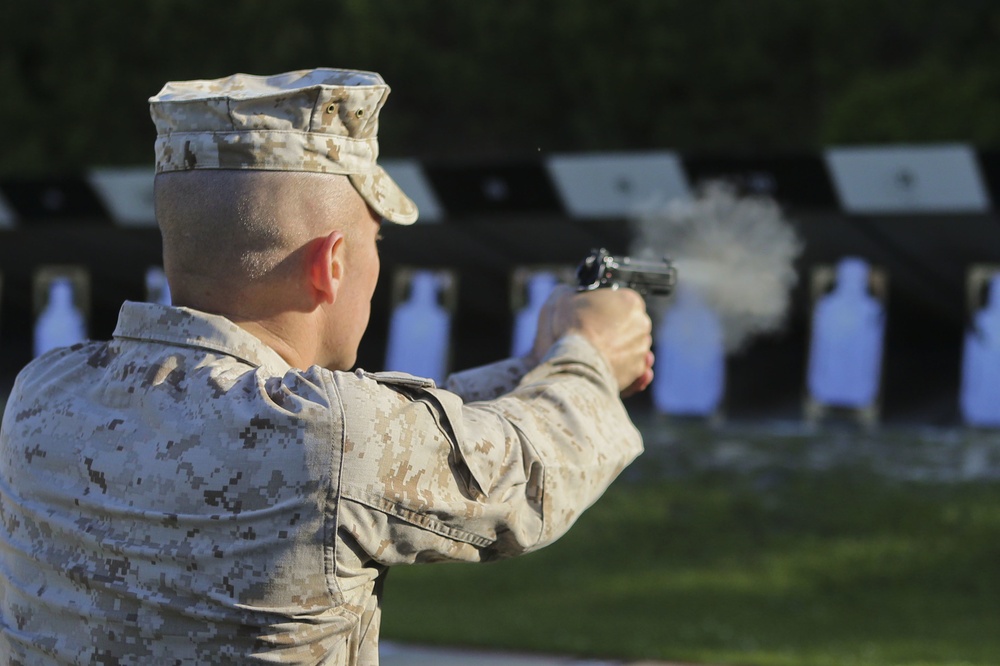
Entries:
{"x":487,"y":96}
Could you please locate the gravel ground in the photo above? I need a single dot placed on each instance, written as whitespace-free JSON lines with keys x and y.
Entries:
{"x":395,"y":654}
{"x":913,"y":453}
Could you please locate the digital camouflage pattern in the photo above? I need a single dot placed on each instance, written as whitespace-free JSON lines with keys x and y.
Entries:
{"x":320,"y":120}
{"x":180,"y":495}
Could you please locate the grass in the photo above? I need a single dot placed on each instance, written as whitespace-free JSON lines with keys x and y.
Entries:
{"x":776,"y":566}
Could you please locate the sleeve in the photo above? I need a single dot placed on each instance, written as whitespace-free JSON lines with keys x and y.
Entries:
{"x":489,"y":381}
{"x":428,"y":477}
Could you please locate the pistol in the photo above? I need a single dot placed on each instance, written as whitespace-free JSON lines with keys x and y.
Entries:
{"x":601,"y":270}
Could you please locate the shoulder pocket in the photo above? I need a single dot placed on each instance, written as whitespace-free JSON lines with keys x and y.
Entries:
{"x":449,"y":413}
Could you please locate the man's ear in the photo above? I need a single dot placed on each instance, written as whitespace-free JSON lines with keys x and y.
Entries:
{"x":326,"y":267}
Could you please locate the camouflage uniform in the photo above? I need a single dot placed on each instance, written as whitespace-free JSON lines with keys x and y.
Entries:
{"x":181,"y":495}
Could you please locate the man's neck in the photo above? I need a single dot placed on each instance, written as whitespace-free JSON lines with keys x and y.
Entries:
{"x":290,"y":339}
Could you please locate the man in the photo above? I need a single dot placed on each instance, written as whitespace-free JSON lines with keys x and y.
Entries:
{"x":212,"y":485}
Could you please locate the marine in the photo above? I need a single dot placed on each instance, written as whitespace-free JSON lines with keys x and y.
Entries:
{"x":218,"y":483}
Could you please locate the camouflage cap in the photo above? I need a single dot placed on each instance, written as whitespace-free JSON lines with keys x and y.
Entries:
{"x":320,"y":120}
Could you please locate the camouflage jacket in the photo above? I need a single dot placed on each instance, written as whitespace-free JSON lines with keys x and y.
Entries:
{"x":180,"y":495}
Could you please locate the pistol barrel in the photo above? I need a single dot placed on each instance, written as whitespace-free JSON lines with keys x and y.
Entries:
{"x":602,"y":270}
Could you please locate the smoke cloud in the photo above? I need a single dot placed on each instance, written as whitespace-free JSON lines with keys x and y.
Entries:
{"x":737,"y":252}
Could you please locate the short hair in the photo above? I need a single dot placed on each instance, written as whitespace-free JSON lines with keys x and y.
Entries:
{"x":238,"y":227}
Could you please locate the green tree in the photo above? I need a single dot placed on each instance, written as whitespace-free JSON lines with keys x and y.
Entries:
{"x":483,"y":80}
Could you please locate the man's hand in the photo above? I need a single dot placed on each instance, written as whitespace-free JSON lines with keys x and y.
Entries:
{"x":613,"y":320}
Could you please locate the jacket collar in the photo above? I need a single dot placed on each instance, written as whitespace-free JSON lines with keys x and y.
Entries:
{"x":152,"y":322}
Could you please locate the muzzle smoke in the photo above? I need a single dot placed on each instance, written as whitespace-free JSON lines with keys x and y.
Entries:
{"x":738,"y":253}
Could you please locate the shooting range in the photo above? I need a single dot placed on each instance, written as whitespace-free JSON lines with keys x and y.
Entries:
{"x":923,"y":215}
{"x":821,"y":476}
